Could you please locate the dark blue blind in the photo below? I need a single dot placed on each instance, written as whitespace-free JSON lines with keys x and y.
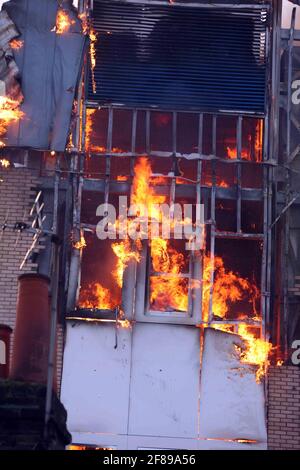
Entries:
{"x":180,"y":57}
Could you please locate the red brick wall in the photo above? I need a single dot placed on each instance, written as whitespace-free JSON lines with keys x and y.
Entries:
{"x":284,"y":408}
{"x":17,"y":192}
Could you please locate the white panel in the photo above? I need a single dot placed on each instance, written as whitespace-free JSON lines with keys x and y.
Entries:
{"x":95,"y":381}
{"x":159,"y":443}
{"x":231,"y":402}
{"x":164,"y":381}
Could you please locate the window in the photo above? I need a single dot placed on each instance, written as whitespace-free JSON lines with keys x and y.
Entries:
{"x":161,"y":279}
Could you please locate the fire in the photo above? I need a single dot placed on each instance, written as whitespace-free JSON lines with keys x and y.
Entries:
{"x":84,"y":21}
{"x":9,"y":113}
{"x":222,"y":327}
{"x":16,"y":44}
{"x":93,"y":40}
{"x":168,"y":290}
{"x":80,"y":244}
{"x":4,"y":163}
{"x":256,"y":146}
{"x":88,"y":30}
{"x":123,"y":322}
{"x":168,"y":293}
{"x":124,"y":253}
{"x":63,"y":22}
{"x":259,"y":139}
{"x":96,"y":296}
{"x":142,"y":193}
{"x":89,"y":132}
{"x":257,"y":351}
{"x":232,"y":153}
{"x":89,"y":127}
{"x":228,"y":289}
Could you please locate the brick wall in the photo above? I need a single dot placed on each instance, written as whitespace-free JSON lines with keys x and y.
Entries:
{"x":284,"y":408}
{"x":18,"y":189}
{"x":17,"y":192}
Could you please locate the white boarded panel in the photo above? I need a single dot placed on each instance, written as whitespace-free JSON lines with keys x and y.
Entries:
{"x":95,"y":381}
{"x":164,"y":389}
{"x":231,"y":402}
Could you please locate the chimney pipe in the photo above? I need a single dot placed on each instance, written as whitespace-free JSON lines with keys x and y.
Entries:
{"x":32,"y":332}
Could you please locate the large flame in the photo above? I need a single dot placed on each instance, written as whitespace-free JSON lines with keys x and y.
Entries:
{"x":143,"y":193}
{"x":96,"y":296}
{"x":9,"y":113}
{"x":168,"y":291}
{"x":228,"y":289}
{"x":124,"y":253}
{"x":63,"y":22}
{"x":89,"y":146}
{"x":257,"y":351}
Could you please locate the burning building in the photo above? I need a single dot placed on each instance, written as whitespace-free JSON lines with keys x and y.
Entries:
{"x":165,"y":213}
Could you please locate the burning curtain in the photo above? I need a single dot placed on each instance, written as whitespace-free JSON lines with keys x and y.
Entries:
{"x":50,"y":65}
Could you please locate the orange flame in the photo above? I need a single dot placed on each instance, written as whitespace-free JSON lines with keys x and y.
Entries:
{"x":9,"y":113}
{"x":232,"y":153}
{"x":257,"y":351}
{"x":84,"y":21}
{"x":80,"y":244}
{"x":246,"y":152}
{"x":93,"y":40}
{"x":16,"y":44}
{"x":89,"y":132}
{"x":88,"y":30}
{"x":168,"y":291}
{"x":124,"y":254}
{"x":142,"y":193}
{"x":96,"y":296}
{"x":63,"y":22}
{"x":228,"y":289}
{"x":4,"y":163}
